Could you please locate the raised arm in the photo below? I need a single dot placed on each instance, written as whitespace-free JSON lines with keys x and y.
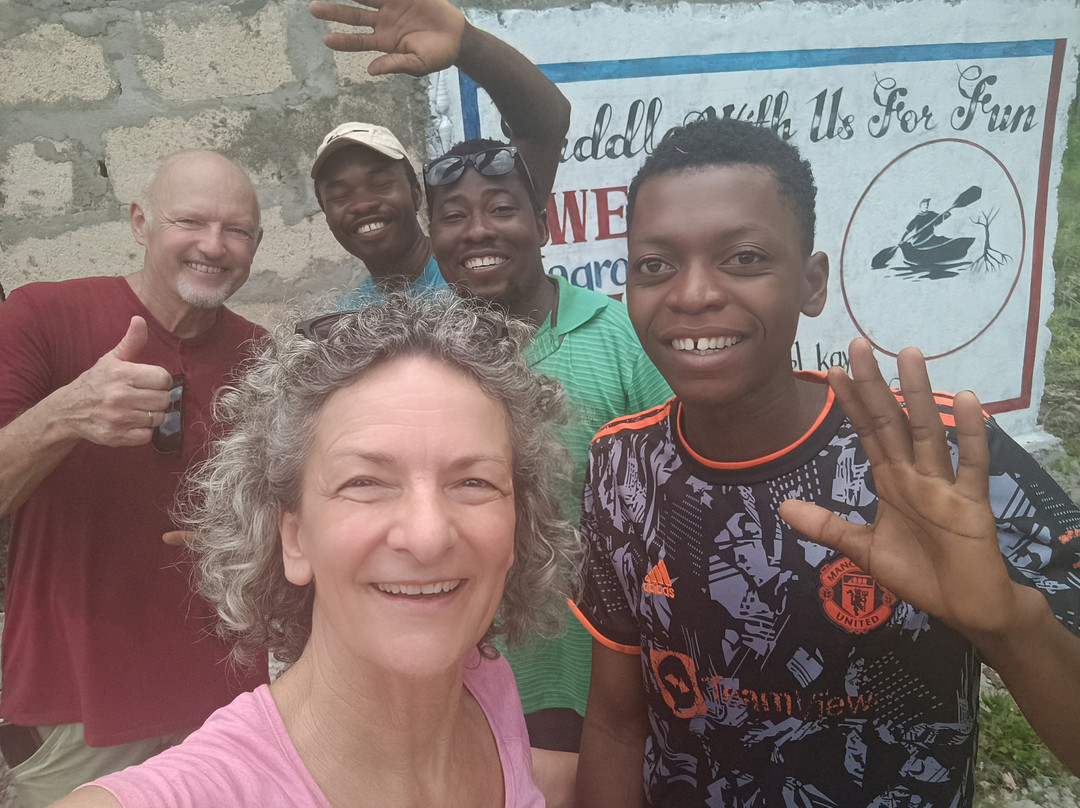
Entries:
{"x":613,"y":737}
{"x":117,"y":402}
{"x":536,"y":111}
{"x":419,"y":37}
{"x":934,"y":542}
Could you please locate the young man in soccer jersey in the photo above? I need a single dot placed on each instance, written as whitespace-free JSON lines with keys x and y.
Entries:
{"x":753,"y":651}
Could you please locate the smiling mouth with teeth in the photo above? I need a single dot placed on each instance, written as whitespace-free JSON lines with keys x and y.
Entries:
{"x":703,"y":344}
{"x":370,"y":227}
{"x":206,"y":269}
{"x":484,"y":262}
{"x":434,"y":588}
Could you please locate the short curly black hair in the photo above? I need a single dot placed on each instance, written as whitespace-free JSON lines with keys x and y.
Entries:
{"x":713,"y":141}
{"x":478,"y":144}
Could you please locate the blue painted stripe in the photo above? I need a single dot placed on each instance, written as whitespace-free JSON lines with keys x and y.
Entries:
{"x":470,"y":109}
{"x":568,"y":72}
{"x":780,"y":60}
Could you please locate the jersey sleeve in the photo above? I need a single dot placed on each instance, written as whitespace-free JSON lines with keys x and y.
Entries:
{"x":604,"y":607}
{"x":1038,"y":526}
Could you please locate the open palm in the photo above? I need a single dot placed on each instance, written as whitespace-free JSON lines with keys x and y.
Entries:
{"x":416,"y":37}
{"x":934,"y":541}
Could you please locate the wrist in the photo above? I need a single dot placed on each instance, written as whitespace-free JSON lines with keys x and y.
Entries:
{"x":1027,"y":617}
{"x":467,"y":45}
{"x":63,"y":413}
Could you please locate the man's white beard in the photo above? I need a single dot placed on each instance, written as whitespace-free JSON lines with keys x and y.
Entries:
{"x":202,"y":297}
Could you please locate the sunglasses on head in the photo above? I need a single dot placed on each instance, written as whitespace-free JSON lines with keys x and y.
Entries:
{"x":168,"y":437}
{"x":317,"y":329}
{"x":496,"y":161}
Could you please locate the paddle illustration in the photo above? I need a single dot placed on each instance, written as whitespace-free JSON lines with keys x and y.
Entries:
{"x":972,"y":194}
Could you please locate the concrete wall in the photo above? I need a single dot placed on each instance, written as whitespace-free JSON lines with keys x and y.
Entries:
{"x":93,"y":94}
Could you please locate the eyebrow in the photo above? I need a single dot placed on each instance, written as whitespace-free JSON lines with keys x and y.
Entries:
{"x":662,"y":237}
{"x":368,"y":173}
{"x":491,"y":189}
{"x":175,"y":214}
{"x":473,"y":460}
{"x":385,"y":459}
{"x":377,"y":458}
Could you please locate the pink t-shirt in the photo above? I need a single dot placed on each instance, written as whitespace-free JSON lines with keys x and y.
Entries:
{"x":242,"y":755}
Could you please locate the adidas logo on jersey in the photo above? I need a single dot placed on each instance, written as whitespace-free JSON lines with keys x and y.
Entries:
{"x":658,"y":582}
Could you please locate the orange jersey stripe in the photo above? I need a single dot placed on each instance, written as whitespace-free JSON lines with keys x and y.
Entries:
{"x":636,"y":421}
{"x":600,"y":638}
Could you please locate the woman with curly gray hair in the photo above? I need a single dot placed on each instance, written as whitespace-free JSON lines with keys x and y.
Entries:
{"x":379,"y":508}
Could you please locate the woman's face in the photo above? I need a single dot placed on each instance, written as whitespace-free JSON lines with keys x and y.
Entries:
{"x":406,"y":520}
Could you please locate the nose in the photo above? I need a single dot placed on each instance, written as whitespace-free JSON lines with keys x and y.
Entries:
{"x":212,"y":241}
{"x":424,"y":527}
{"x":697,"y":286}
{"x":362,"y":203}
{"x":478,"y":229}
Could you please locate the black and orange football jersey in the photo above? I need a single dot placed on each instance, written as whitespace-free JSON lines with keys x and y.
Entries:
{"x":777,"y":672}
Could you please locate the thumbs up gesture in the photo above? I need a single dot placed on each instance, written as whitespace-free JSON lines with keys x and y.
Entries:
{"x":119,"y":401}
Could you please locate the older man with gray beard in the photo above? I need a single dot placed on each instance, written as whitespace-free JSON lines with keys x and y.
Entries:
{"x":105,"y":392}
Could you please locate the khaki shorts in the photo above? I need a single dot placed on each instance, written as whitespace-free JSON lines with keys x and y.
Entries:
{"x":64,"y":762}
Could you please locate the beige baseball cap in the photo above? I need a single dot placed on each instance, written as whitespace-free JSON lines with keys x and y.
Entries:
{"x":375,"y":137}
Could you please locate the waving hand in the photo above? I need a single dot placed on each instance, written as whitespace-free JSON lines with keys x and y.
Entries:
{"x":934,"y":541}
{"x":417,"y":37}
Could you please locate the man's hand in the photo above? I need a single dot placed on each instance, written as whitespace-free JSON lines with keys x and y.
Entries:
{"x":417,"y":37}
{"x":119,"y":401}
{"x":934,"y":542}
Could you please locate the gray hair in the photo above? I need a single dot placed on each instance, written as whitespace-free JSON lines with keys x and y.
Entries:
{"x":254,"y":475}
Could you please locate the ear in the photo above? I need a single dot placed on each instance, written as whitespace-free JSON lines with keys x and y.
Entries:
{"x":542,"y":227}
{"x":817,"y":284}
{"x":297,"y":567}
{"x":139,"y":224}
{"x":417,"y":196}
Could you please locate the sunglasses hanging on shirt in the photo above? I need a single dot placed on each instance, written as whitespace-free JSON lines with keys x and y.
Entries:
{"x":168,"y":437}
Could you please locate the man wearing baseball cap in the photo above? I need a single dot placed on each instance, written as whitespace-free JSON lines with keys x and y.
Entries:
{"x":364,"y":180}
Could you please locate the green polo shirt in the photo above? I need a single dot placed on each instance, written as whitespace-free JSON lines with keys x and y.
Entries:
{"x":595,"y":353}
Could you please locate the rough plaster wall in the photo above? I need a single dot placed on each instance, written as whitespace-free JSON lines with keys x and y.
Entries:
{"x":94,"y":93}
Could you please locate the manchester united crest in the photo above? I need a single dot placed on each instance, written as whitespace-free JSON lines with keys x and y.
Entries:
{"x":852,"y":598}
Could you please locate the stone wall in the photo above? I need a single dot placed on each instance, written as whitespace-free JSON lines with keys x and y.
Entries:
{"x":93,"y":94}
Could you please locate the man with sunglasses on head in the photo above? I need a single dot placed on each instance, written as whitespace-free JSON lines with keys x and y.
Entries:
{"x":488,"y":224}
{"x":105,"y":401}
{"x":364,"y":181}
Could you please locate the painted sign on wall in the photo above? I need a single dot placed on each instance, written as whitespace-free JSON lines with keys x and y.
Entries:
{"x":935,"y":140}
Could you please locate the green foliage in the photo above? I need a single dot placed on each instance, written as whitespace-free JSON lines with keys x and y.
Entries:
{"x":1060,"y":414}
{"x":1008,"y":744}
